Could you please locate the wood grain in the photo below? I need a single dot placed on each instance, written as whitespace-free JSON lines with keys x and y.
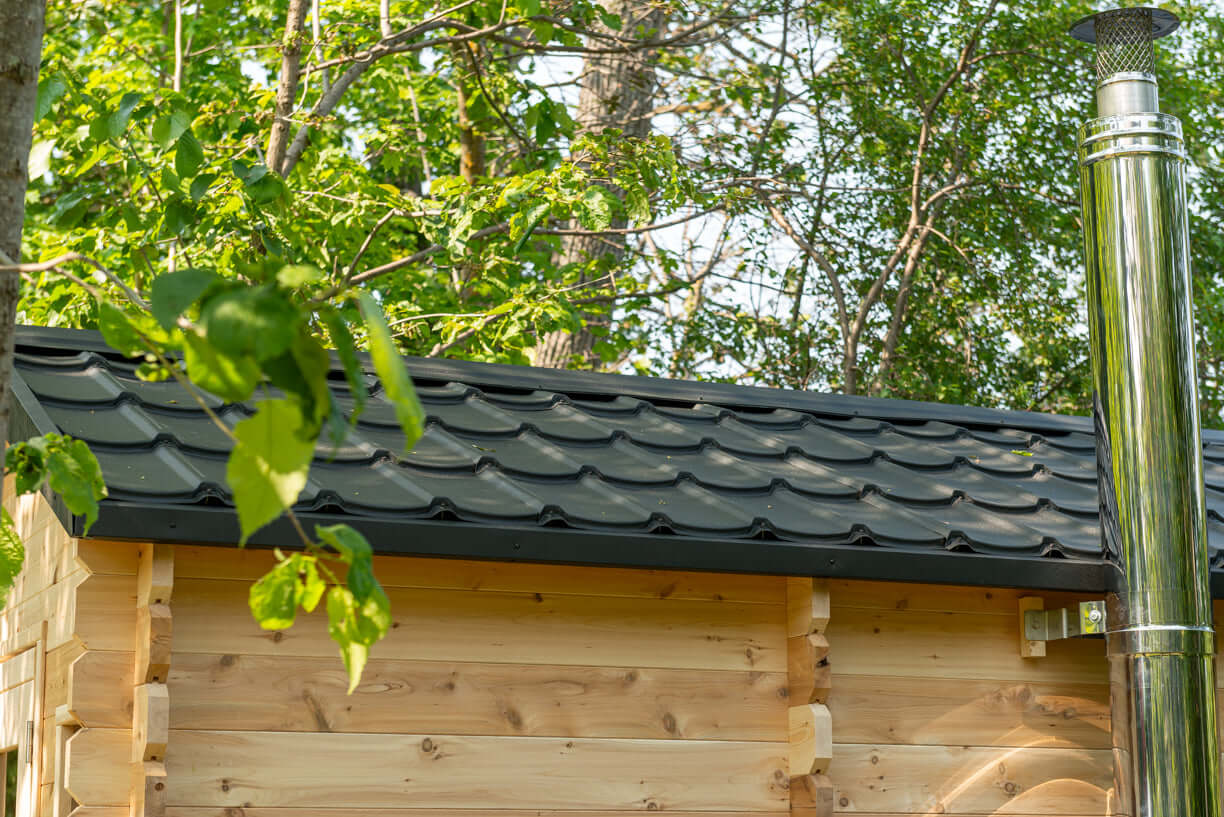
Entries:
{"x":154,"y":640}
{"x":811,"y":739}
{"x":97,"y":767}
{"x":155,"y":574}
{"x":940,"y":598}
{"x":970,"y":780}
{"x":106,"y":612}
{"x":212,"y":616}
{"x":340,"y":811}
{"x":383,"y":771}
{"x":267,"y":693}
{"x":957,"y":712}
{"x":807,"y":661}
{"x":100,"y":686}
{"x":218,"y":562}
{"x":150,"y":723}
{"x":950,"y":645}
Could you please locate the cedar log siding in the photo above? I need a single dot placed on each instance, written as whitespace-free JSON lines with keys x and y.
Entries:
{"x":39,"y":640}
{"x":510,"y":690}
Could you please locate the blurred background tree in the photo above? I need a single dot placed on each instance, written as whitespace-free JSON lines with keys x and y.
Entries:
{"x":869,"y":197}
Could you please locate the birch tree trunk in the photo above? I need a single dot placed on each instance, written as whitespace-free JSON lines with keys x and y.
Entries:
{"x":21,"y":33}
{"x":617,"y":92}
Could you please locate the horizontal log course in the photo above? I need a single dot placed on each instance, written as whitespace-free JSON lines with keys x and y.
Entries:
{"x":269,"y":693}
{"x":970,"y":780}
{"x":211,"y":616}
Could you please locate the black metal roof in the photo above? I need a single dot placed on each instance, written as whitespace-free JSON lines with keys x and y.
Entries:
{"x":537,"y":464}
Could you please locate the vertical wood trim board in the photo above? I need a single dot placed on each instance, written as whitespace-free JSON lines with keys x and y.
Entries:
{"x":150,"y":695}
{"x":810,"y":729}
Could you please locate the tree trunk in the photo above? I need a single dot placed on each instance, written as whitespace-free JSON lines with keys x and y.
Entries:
{"x":286,"y":89}
{"x":471,"y":143}
{"x":617,"y":92}
{"x":21,"y":32}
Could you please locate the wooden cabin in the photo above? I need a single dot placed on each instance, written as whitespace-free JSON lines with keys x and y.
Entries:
{"x":611,"y":595}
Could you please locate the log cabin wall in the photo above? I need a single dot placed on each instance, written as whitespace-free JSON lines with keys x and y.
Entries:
{"x":528,"y":689}
{"x":935,"y":712}
{"x":502,"y":689}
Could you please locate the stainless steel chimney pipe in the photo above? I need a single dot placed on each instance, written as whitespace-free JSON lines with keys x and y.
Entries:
{"x":1145,"y":406}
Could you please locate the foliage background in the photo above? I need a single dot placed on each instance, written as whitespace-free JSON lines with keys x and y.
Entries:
{"x":877,"y":197}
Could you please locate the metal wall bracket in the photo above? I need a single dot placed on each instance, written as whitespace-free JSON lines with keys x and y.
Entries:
{"x":1038,"y":625}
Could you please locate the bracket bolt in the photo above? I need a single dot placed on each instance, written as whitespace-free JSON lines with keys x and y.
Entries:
{"x":1094,"y":616}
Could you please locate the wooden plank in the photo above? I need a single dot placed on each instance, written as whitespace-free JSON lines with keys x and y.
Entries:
{"x":39,"y":714}
{"x":59,"y":670}
{"x":155,"y":575}
{"x":100,"y":688}
{"x":807,"y":605}
{"x":105,"y":607}
{"x":97,"y":767}
{"x":955,"y":712}
{"x":48,"y":559}
{"x":1029,"y":649}
{"x":149,"y":789}
{"x":808,"y":668}
{"x":104,"y":556}
{"x":812,"y":795}
{"x":340,"y":811}
{"x":17,"y":670}
{"x":951,"y":645}
{"x":941,"y":598}
{"x":383,"y":771}
{"x":21,"y":626}
{"x":512,"y":577}
{"x":105,"y":811}
{"x":811,"y":739}
{"x":58,"y":797}
{"x":154,"y":639}
{"x":150,"y":723}
{"x":970,"y":780}
{"x":309,"y":694}
{"x":212,"y":617}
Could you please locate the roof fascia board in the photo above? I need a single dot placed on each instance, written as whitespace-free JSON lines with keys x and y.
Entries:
{"x":216,"y":525}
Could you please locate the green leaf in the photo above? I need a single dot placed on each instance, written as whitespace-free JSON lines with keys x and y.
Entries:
{"x":173,"y":292}
{"x":167,"y":129}
{"x":188,"y":156}
{"x":12,"y":553}
{"x":258,"y":321}
{"x":233,"y":379}
{"x":595,"y":208}
{"x":313,"y":586}
{"x":396,"y":382}
{"x":347,"y":542}
{"x":268,"y":467}
{"x":274,"y":599}
{"x":346,"y":350}
{"x":117,"y":122}
{"x":120,"y":330}
{"x":293,"y":276}
{"x":40,"y":158}
{"x":74,"y":474}
{"x":612,"y":21}
{"x":356,"y":625}
{"x":50,"y":89}
{"x":27,"y":461}
{"x":301,"y":371}
{"x":179,"y":216}
{"x":200,"y":185}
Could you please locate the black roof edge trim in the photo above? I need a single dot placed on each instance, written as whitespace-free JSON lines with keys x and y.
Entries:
{"x":27,"y":418}
{"x":577,"y":383}
{"x":405,"y":537}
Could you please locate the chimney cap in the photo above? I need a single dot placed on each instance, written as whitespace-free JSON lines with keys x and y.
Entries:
{"x":1163,"y":23}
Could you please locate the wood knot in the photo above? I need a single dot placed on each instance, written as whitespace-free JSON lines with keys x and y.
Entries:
{"x":278,"y":637}
{"x":427,"y":745}
{"x":227,"y":660}
{"x":875,"y":759}
{"x":669,"y":723}
{"x":225,"y":786}
{"x":513,"y":718}
{"x":845,"y":801}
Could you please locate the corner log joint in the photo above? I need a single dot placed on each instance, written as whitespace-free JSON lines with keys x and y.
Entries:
{"x":808,"y":681}
{"x":151,"y":697}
